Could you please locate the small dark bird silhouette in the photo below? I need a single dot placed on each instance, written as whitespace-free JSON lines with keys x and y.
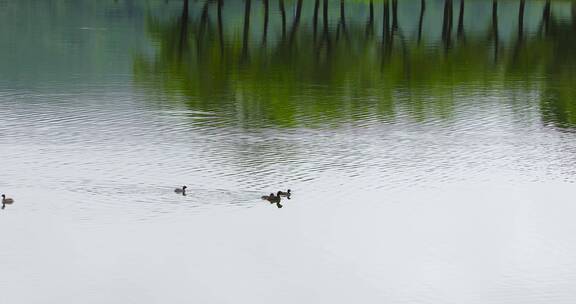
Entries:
{"x":6,"y":201}
{"x":181,"y":190}
{"x":272,"y":198}
{"x":286,"y":194}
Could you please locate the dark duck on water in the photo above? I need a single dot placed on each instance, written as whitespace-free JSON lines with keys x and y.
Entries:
{"x":286,"y":194}
{"x":6,"y":201}
{"x":272,"y":198}
{"x":181,"y":190}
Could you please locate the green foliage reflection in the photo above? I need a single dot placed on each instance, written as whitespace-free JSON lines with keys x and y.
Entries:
{"x":330,"y":62}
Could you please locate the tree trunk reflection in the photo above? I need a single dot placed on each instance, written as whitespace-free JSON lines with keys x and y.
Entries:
{"x":247,"y":8}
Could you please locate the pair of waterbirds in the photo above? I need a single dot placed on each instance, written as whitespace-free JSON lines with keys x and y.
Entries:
{"x":276,"y":198}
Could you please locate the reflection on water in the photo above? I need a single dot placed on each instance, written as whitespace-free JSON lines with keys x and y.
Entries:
{"x":334,"y":61}
{"x":430,"y":144}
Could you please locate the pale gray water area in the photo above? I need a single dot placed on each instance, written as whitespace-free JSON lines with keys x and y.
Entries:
{"x":426,"y":166}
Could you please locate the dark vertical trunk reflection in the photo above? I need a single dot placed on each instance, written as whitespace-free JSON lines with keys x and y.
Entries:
{"x":386,"y":35}
{"x":266,"y":17}
{"x":283,"y":15}
{"x":247,"y":8}
{"x":371,"y":10}
{"x":342,"y":13}
{"x":521,"y":20}
{"x":315,"y":18}
{"x":447,"y":24}
{"x":183,"y":29}
{"x":220,"y":26}
{"x":574,"y":14}
{"x":386,"y":21}
{"x":460,"y":32}
{"x":495,"y":29}
{"x":420,"y":22}
{"x":546,"y":16}
{"x":394,"y":14}
{"x":342,"y":22}
{"x":520,"y":38}
{"x":325,"y":16}
{"x":325,"y":31}
{"x":370,"y":23}
{"x":202,"y":29}
{"x":203,"y":21}
{"x":296,"y":22}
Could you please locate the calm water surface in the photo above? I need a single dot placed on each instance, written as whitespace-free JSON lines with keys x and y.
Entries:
{"x":432,"y":153}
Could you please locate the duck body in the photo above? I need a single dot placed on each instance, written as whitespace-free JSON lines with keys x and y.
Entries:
{"x":181,"y":190}
{"x":272,"y":198}
{"x":286,"y":194}
{"x":269,"y":197}
{"x":6,"y":201}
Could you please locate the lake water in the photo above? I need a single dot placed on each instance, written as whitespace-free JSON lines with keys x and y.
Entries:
{"x":431,"y":153}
